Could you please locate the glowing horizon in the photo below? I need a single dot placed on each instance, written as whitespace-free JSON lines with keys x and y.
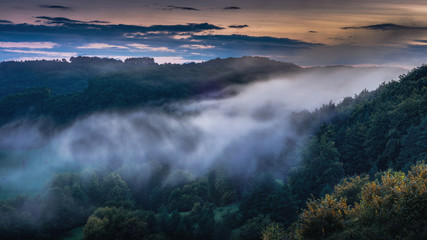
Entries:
{"x":305,"y":32}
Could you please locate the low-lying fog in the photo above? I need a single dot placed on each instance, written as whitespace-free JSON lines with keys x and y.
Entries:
{"x":243,"y":133}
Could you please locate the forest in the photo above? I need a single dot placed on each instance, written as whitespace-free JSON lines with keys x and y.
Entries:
{"x":353,"y":169}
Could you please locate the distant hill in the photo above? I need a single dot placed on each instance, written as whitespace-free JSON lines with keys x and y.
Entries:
{"x":62,"y":77}
{"x":64,"y":90}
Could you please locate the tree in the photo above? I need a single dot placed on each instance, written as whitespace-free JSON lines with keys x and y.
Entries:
{"x":320,"y":168}
{"x":322,"y":218}
{"x":116,"y":191}
{"x":393,"y":207}
{"x":353,"y":150}
{"x":273,"y":232}
{"x":111,"y":223}
{"x":251,"y":229}
{"x":268,"y":196}
{"x":414,"y":145}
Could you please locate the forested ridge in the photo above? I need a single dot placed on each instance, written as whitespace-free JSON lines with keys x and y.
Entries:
{"x":63,"y":90}
{"x":360,"y":175}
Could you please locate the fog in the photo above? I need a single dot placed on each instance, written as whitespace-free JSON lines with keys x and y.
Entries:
{"x":245,"y":133}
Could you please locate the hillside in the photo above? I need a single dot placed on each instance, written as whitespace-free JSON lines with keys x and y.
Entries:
{"x":351,"y":144}
{"x":65,"y":90}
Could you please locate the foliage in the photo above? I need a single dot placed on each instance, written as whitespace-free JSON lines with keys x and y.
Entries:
{"x":394,"y":207}
{"x":350,"y":189}
{"x":87,"y":84}
{"x":371,"y":131}
{"x":115,"y":224}
{"x":322,"y":217}
{"x":269,"y":197}
{"x":320,"y":168}
{"x":273,"y":232}
{"x":251,"y":229}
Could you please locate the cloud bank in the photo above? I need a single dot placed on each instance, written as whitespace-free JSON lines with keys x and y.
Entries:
{"x":244,"y":133}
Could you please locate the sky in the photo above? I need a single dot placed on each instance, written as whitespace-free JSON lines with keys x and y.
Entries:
{"x":305,"y":32}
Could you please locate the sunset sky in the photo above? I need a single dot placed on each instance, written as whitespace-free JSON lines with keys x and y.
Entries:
{"x":306,"y":32}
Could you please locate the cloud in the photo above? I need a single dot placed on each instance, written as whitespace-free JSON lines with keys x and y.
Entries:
{"x":253,"y":44}
{"x":232,"y":8}
{"x":238,"y":26}
{"x":37,"y":58}
{"x":173,"y":7}
{"x":386,"y":27}
{"x":55,"y":7}
{"x":197,"y":46}
{"x":101,"y":46}
{"x":59,"y":20}
{"x":419,"y":42}
{"x":76,"y":25}
{"x":97,"y":21}
{"x":63,"y":20}
{"x":28,"y":45}
{"x":45,"y":53}
{"x":172,"y":59}
{"x":146,"y":47}
{"x":159,"y":60}
{"x":75,"y":33}
{"x":181,"y":36}
{"x":189,"y":27}
{"x":5,"y":22}
{"x":241,"y":130}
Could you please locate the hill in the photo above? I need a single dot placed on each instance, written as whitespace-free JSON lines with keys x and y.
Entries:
{"x":343,"y":165}
{"x":64,"y":90}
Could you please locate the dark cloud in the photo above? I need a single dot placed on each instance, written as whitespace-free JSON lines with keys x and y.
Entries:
{"x":76,"y":25}
{"x":60,"y":29}
{"x":5,"y":22}
{"x":258,"y":40}
{"x":173,"y":7}
{"x":59,"y":20}
{"x":71,"y":34}
{"x":312,"y":31}
{"x":96,"y":21}
{"x":55,"y":7}
{"x":243,"y":45}
{"x":386,"y":27}
{"x":232,"y":8}
{"x":189,"y":27}
{"x":238,"y":26}
{"x":62,"y":20}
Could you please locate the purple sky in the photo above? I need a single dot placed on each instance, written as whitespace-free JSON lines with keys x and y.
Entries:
{"x":306,"y":32}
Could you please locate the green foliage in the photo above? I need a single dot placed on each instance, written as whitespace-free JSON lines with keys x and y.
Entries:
{"x":374,"y":130}
{"x":320,"y":168}
{"x":93,"y":84}
{"x":273,"y":232}
{"x":322,"y":218}
{"x":115,"y":224}
{"x":221,"y":189}
{"x":414,"y":145}
{"x":23,"y":103}
{"x":269,"y":197}
{"x":394,"y":207}
{"x":251,"y":229}
{"x":116,"y":192}
{"x":350,"y":189}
